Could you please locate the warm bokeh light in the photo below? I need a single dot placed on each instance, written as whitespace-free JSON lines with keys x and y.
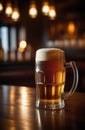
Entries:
{"x":1,"y":6}
{"x":15,"y":14}
{"x":71,"y":27}
{"x":33,"y":10}
{"x":22,"y":46}
{"x":8,"y":10}
{"x":52,"y":12}
{"x":45,"y":8}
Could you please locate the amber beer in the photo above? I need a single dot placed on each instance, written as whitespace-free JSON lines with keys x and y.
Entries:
{"x":50,"y":75}
{"x":50,"y":71}
{"x":50,"y":79}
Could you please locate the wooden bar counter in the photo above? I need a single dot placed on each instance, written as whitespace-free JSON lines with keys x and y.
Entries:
{"x":18,"y":111}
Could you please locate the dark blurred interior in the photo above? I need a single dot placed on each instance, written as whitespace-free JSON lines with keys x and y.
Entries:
{"x":21,"y":37}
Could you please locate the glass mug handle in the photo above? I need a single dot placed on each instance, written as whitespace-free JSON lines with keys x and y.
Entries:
{"x":72,"y":64}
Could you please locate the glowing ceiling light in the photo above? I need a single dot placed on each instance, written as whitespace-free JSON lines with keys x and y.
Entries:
{"x":1,"y":6}
{"x":52,"y":12}
{"x":8,"y":10}
{"x":33,"y":10}
{"x":15,"y":15}
{"x":45,"y":8}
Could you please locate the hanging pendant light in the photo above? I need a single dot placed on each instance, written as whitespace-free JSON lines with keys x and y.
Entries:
{"x":45,"y":8}
{"x":52,"y":12}
{"x":15,"y":15}
{"x":1,"y":6}
{"x":33,"y":10}
{"x":8,"y":10}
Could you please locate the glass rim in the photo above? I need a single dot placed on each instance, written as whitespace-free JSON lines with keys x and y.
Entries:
{"x":43,"y":54}
{"x":48,"y":49}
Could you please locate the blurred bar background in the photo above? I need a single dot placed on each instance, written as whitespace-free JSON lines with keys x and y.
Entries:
{"x":27,"y":25}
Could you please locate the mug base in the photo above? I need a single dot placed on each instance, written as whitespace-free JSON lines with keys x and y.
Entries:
{"x":50,"y":106}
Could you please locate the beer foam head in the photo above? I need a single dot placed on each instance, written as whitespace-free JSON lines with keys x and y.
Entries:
{"x":45,"y":54}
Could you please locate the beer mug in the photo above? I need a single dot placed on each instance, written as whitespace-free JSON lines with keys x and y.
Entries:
{"x":50,"y":75}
